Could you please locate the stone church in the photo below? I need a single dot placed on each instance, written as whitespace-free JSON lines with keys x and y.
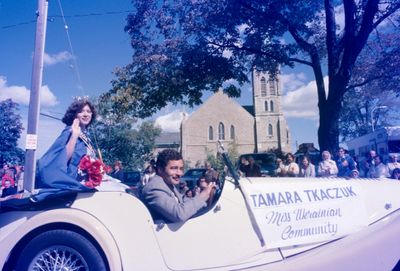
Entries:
{"x":257,"y":128}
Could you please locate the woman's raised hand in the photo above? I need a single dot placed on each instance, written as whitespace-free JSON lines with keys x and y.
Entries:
{"x":76,"y":128}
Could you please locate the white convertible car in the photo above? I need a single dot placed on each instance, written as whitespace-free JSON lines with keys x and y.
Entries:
{"x":254,"y":224}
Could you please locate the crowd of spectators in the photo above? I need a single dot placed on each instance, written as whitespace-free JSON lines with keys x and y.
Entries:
{"x":340,"y":165}
{"x":343,"y":165}
{"x":372,"y":166}
{"x":12,"y":177}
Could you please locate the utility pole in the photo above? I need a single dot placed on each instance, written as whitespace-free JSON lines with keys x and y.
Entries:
{"x":34,"y":101}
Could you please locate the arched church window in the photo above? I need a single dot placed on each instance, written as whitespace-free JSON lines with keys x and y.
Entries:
{"x":210,"y":133}
{"x":270,"y":131}
{"x":266,"y":106}
{"x":272,"y":88}
{"x":263,"y":87}
{"x":277,"y":87}
{"x":287,"y":136}
{"x":232,"y":132}
{"x":221,"y":131}
{"x":271,"y":106}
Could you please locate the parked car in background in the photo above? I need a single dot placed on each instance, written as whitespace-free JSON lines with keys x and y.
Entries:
{"x":308,"y":149}
{"x":266,"y":161}
{"x":132,"y":178}
{"x":192,"y":175}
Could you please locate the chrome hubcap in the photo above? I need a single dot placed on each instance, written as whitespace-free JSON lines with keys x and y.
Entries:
{"x":58,"y":258}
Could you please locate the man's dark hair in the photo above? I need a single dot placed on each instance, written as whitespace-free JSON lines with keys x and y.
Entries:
{"x":165,"y":156}
{"x":380,"y":157}
{"x":75,"y":108}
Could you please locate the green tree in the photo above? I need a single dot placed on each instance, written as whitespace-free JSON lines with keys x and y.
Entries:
{"x":144,"y":138}
{"x":217,"y":161}
{"x":183,"y":48}
{"x":362,"y":109}
{"x":10,"y":132}
{"x":117,"y":138}
{"x":374,"y":84}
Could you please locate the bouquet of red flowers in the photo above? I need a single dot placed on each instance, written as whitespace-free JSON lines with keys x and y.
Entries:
{"x":90,"y":171}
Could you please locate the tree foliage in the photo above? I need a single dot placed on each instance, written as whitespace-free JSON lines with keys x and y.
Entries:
{"x":373,"y":92}
{"x":10,"y":132}
{"x":183,"y":48}
{"x":217,"y":161}
{"x":117,"y":138}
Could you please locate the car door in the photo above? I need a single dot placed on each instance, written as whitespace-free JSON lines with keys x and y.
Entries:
{"x":222,"y":237}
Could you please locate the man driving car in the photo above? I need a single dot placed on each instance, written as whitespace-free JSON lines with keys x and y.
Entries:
{"x":162,"y":196}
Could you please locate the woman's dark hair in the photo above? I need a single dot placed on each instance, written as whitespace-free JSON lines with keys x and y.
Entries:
{"x":75,"y":108}
{"x":290,"y":155}
{"x":306,"y":157}
{"x":187,"y":192}
{"x":165,"y":156}
{"x":199,"y":179}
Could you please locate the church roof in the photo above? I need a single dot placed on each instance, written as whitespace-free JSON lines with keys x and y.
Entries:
{"x":216,"y":100}
{"x":250,"y":109}
{"x":167,"y":138}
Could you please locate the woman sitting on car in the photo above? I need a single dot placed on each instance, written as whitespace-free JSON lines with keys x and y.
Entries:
{"x":58,"y":167}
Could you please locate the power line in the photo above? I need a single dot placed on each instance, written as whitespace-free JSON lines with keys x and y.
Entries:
{"x":94,"y":14}
{"x":49,"y":116}
{"x":51,"y":18}
{"x":18,"y":24}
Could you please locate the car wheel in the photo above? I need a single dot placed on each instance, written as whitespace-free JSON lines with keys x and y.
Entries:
{"x":60,"y":250}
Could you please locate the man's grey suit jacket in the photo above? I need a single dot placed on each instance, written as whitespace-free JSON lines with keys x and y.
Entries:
{"x":167,"y":203}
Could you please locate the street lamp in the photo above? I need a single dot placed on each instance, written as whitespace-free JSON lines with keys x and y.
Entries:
{"x":372,"y":114}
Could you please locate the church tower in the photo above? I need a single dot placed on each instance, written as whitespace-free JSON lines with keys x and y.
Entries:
{"x":271,"y":130}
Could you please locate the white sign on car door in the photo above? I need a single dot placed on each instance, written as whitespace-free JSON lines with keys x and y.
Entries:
{"x":294,"y":213}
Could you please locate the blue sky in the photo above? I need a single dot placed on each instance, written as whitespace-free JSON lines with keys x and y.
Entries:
{"x":99,"y":44}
